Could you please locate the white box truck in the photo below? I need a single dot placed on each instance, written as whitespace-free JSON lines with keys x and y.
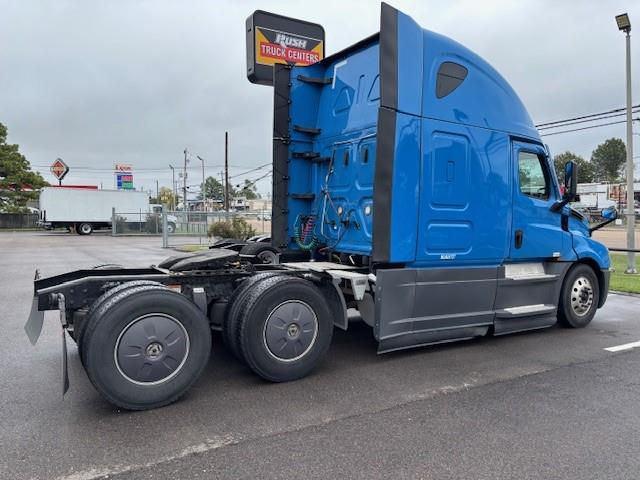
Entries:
{"x":86,"y":210}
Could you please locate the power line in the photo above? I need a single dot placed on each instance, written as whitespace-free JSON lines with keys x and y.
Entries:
{"x":615,"y":110}
{"x":251,"y":184}
{"x":585,"y":128}
{"x":588,"y":120}
{"x":252,"y":170}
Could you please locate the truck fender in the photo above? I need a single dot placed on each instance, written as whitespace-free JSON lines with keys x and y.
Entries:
{"x":336,"y":302}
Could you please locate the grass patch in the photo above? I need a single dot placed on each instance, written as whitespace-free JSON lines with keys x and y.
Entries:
{"x":619,"y":280}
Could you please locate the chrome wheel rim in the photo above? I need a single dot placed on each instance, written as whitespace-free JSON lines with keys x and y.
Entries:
{"x":290,"y":331}
{"x":152,"y":349}
{"x":581,"y":296}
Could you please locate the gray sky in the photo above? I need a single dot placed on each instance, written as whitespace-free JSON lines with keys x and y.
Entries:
{"x":101,"y":82}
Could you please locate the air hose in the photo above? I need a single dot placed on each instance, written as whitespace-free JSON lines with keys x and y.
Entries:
{"x":303,"y":233}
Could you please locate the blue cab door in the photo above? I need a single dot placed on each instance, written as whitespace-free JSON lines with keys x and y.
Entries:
{"x":537,"y":232}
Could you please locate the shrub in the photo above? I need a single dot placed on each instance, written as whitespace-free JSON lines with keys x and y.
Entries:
{"x":236,"y":228}
{"x":153,"y":223}
{"x":121,"y":224}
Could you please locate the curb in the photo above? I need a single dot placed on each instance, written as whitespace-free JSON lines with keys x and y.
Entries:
{"x":626,"y":294}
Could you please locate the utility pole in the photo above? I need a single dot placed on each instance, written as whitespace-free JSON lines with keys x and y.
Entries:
{"x":624,"y":25}
{"x":173,"y":188}
{"x":184,"y":185}
{"x":226,"y":171}
{"x":204,"y":197}
{"x":157,"y":192}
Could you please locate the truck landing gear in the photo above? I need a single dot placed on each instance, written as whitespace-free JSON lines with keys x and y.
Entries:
{"x":145,"y":347}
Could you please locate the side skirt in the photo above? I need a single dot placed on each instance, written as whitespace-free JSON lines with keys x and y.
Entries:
{"x":416,"y":307}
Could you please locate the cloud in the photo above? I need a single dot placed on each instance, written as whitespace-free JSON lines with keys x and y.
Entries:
{"x":138,"y":81}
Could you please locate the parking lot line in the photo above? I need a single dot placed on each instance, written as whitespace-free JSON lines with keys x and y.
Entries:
{"x":626,"y":346}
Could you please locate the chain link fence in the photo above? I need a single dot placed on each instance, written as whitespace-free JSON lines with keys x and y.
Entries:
{"x":178,"y":228}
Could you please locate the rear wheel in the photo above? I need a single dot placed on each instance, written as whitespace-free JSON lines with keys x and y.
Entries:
{"x":285,"y":328}
{"x":146,"y":347}
{"x":84,"y":229}
{"x":579,"y":297}
{"x":171,"y":228}
{"x":265,"y":253}
{"x":80,"y":328}
{"x":231,"y":323}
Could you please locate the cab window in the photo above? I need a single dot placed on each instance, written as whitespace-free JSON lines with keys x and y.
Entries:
{"x":534,"y":180}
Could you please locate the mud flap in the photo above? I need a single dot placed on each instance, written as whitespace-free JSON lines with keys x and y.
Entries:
{"x":63,"y":323}
{"x":33,"y":327}
{"x":65,"y":369}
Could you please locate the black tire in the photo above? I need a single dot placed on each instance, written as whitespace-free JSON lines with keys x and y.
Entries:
{"x":231,"y":323}
{"x":263,"y":252}
{"x":267,"y":318}
{"x":84,"y":228}
{"x":163,"y":371}
{"x":81,"y":327}
{"x":171,"y":228}
{"x":579,"y":297}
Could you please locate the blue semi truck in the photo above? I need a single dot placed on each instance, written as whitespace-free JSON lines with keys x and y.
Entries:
{"x":409,"y":183}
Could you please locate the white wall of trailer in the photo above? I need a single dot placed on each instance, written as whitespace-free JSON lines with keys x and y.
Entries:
{"x":80,"y":205}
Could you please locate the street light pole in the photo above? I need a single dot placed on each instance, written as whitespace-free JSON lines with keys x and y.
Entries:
{"x":204,"y":198}
{"x":624,"y":25}
{"x":184,"y":186}
{"x":173,"y":188}
{"x":226,"y":171}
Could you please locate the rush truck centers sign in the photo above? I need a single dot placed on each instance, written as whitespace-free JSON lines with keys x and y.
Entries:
{"x":280,"y":47}
{"x":275,"y":39}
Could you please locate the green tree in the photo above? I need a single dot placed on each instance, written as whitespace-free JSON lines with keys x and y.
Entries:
{"x":248,"y":190}
{"x":586,"y":172}
{"x":166,"y":197}
{"x":608,"y":159}
{"x":214,"y":190}
{"x":16,"y":175}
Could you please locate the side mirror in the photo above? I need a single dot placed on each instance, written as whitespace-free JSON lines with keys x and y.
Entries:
{"x":609,"y":213}
{"x":570,"y":181}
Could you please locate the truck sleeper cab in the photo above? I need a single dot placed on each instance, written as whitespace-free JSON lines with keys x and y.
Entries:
{"x":410,"y":154}
{"x":409,"y":183}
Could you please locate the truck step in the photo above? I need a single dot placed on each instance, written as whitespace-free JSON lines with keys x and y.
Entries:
{"x":527,"y":272}
{"x":305,"y":155}
{"x":315,"y":80}
{"x":303,"y":196}
{"x":311,"y":156}
{"x":526,"y":311}
{"x":309,"y":130}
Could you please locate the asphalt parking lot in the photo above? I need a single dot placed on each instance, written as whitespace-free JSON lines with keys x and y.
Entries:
{"x":547,"y":404}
